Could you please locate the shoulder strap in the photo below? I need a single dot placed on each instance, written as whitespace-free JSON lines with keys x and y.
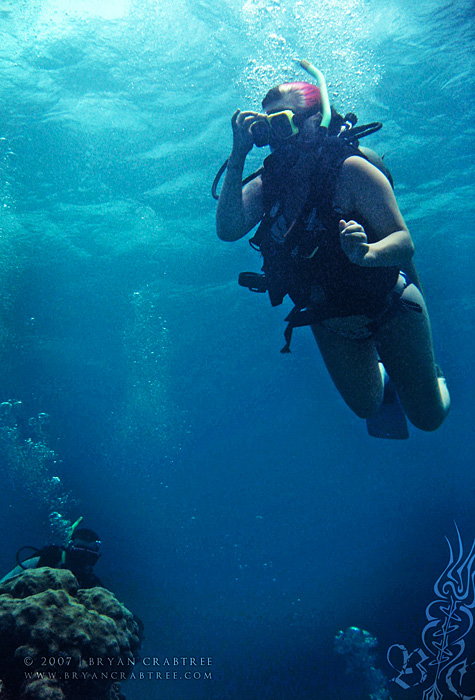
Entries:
{"x":333,"y":153}
{"x":324,"y":166}
{"x":322,"y":163}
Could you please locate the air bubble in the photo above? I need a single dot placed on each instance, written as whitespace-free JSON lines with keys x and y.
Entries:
{"x":5,"y":409}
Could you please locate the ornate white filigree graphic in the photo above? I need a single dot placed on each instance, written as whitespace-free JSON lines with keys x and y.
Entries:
{"x":441,"y":663}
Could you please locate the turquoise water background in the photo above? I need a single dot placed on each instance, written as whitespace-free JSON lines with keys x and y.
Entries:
{"x":244,"y":512}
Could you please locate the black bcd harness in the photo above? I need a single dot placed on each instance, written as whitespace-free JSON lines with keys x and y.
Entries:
{"x":303,"y":258}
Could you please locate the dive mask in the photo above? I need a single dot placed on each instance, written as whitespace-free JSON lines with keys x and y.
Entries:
{"x":280,"y":125}
{"x":84,"y":554}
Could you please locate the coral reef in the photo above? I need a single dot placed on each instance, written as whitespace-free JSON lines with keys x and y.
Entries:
{"x":59,"y":642}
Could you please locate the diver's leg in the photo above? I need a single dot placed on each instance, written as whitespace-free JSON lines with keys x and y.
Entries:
{"x":353,"y":366}
{"x":405,"y":347}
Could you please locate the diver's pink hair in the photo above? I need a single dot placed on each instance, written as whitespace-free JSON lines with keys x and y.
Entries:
{"x":307,"y":96}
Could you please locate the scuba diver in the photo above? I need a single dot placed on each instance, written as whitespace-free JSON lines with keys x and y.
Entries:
{"x":332,"y":237}
{"x":80,"y":554}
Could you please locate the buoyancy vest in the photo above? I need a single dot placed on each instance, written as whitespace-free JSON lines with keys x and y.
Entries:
{"x":302,"y":255}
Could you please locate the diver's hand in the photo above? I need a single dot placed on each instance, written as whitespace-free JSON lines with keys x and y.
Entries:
{"x":242,"y":137}
{"x":354,"y":242}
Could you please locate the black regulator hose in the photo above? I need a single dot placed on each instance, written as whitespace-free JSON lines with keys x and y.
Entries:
{"x":219,"y":175}
{"x":35,"y":550}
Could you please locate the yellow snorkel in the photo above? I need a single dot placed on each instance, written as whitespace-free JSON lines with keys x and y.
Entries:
{"x":73,"y":527}
{"x":318,"y":75}
{"x":69,"y":537}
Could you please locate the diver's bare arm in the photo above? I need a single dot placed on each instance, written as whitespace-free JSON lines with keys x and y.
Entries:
{"x":368,"y":193}
{"x":239,"y":210}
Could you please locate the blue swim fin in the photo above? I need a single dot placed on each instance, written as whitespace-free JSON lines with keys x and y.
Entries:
{"x":390,"y":421}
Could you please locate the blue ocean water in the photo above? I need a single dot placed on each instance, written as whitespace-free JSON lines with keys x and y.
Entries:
{"x":244,"y":512}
